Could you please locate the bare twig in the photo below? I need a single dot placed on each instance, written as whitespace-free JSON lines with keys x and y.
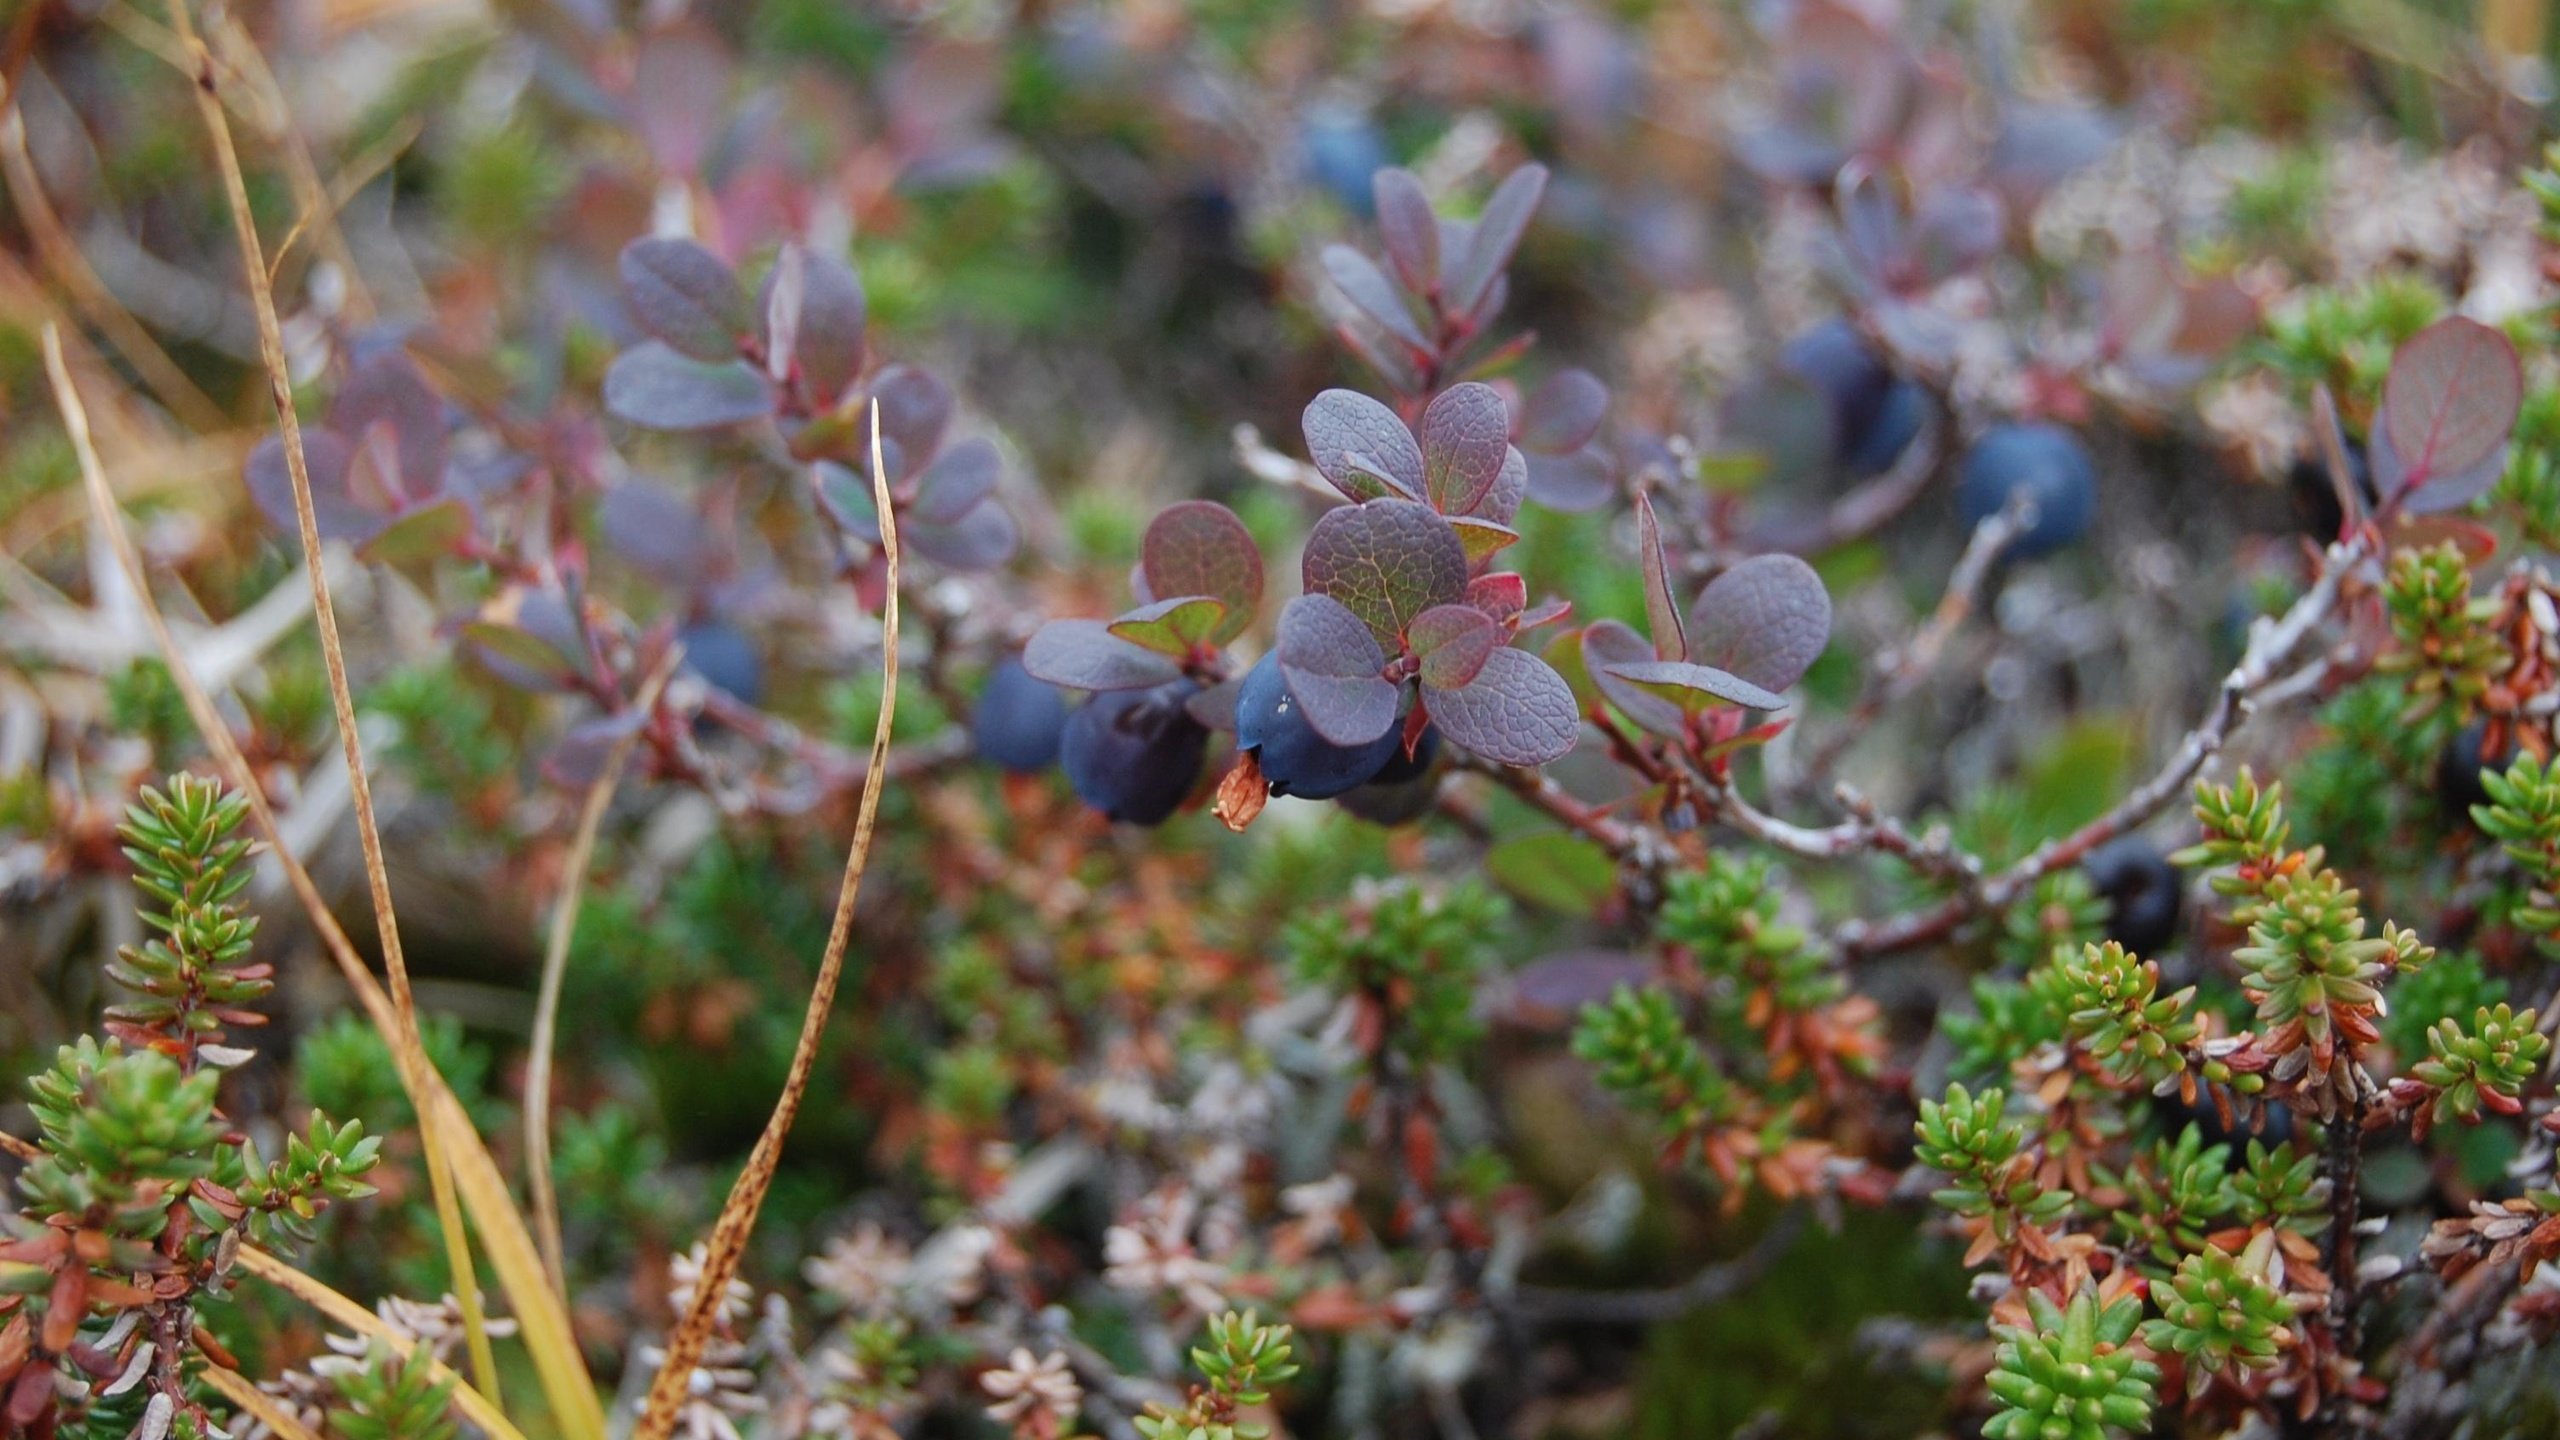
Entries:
{"x":1540,"y":1304}
{"x":2270,"y":645}
{"x":738,"y":1214}
{"x":466,"y":1286}
{"x":555,"y":966}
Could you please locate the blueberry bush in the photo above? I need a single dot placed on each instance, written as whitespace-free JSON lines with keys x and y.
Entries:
{"x":1821,"y":717}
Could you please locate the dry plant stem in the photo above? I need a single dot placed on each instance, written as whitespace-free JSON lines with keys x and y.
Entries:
{"x":1903,"y":670}
{"x":340,"y":1310}
{"x":18,"y":1149}
{"x":255,"y":1403}
{"x":746,"y":1198}
{"x":511,"y":1249}
{"x":466,"y":1285}
{"x":70,"y":268}
{"x":555,"y":967}
{"x":2269,"y":646}
{"x":1543,"y":1305}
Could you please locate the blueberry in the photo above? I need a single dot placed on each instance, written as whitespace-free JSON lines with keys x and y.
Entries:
{"x":1295,"y":759}
{"x":2143,"y":891}
{"x":723,"y":659}
{"x":1343,"y":150}
{"x":2046,"y":463}
{"x":1018,"y":719}
{"x":1897,"y":423}
{"x":1836,"y":360}
{"x":1135,"y":754}
{"x":2458,"y":770}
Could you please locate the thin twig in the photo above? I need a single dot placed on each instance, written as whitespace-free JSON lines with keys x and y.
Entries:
{"x":544,"y":1319}
{"x":555,"y":967}
{"x":738,"y":1214}
{"x":1540,"y":1304}
{"x":466,"y":1285}
{"x":2270,"y":645}
{"x":19,"y":1149}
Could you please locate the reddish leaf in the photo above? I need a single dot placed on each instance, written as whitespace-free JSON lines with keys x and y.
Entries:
{"x":1341,"y":424}
{"x":1607,"y":644}
{"x":1766,"y":620}
{"x":388,"y":391}
{"x":1564,"y":413}
{"x":1518,"y":711}
{"x":958,"y":482}
{"x":1695,"y":687}
{"x":1466,"y":431}
{"x":826,"y":327}
{"x":1175,"y":628}
{"x":915,"y":408}
{"x":1661,"y":612}
{"x":2447,"y":407}
{"x":1453,"y":641}
{"x":1199,"y":547}
{"x":1411,"y":231}
{"x":1372,"y":294}
{"x":340,"y":515}
{"x":651,"y":385}
{"x":1085,"y":655}
{"x":424,"y":533}
{"x":1334,"y":668}
{"x":1386,"y":561}
{"x":980,"y":540}
{"x":1501,"y":596}
{"x":1501,"y":504}
{"x":686,"y":296}
{"x":1494,"y":236}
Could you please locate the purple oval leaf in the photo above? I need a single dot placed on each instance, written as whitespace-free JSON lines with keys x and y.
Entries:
{"x":1333,"y":666}
{"x":386,"y":390}
{"x":915,"y":407}
{"x":652,"y":386}
{"x":1453,"y":641}
{"x":1495,"y":235}
{"x":1563,"y":414}
{"x":2448,"y":404}
{"x":1607,"y":644}
{"x":958,"y":482}
{"x":1387,"y":561}
{"x":1411,"y":231}
{"x":1766,"y":620}
{"x":1466,"y":433}
{"x":827,"y":332}
{"x":980,"y":540}
{"x":1199,"y":547}
{"x":1518,"y":711}
{"x":686,"y":296}
{"x":1085,"y":655}
{"x":339,"y":515}
{"x":1695,"y":687}
{"x":1372,"y":294}
{"x":1343,"y":423}
{"x":1583,"y":480}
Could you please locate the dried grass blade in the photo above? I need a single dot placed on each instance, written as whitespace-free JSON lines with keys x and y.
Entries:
{"x":746,"y":1198}
{"x":349,"y":1315}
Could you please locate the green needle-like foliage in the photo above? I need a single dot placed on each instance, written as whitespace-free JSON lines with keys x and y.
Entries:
{"x":2219,"y":1313}
{"x":2174,"y":1195}
{"x":194,"y":976}
{"x":1727,"y":916}
{"x":1242,"y":1360}
{"x":2116,"y":1013}
{"x":125,"y":1132}
{"x":389,"y":1397}
{"x":1422,"y":951}
{"x":2448,"y":647}
{"x":2280,"y":1188}
{"x":1647,"y":1058}
{"x":2068,"y":1376}
{"x":2523,"y":816}
{"x":2484,"y":1065}
{"x":1983,"y":1154}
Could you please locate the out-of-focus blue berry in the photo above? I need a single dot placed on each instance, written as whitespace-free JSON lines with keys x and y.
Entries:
{"x":1135,"y":754}
{"x":725,"y":659}
{"x":1018,"y":720}
{"x":2045,"y":462}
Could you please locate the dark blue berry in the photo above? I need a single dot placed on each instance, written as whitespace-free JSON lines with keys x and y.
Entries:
{"x":1837,"y":362}
{"x":1135,"y":754}
{"x":2458,"y":770}
{"x":1896,"y":424}
{"x":1295,"y":759}
{"x":1343,"y":149}
{"x":1401,"y":767}
{"x":1018,"y":719}
{"x":2045,"y":462}
{"x":724,"y":659}
{"x":2143,"y":891}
